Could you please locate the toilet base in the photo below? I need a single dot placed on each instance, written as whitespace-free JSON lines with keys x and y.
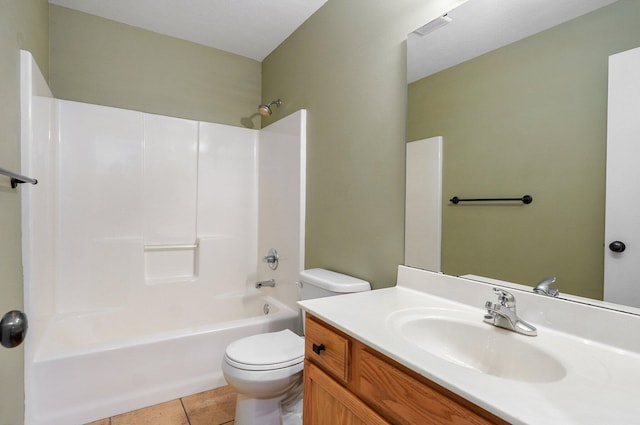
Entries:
{"x":251,"y":411}
{"x":285,"y":409}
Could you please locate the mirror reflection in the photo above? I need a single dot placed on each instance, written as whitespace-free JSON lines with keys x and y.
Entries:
{"x":526,"y":118}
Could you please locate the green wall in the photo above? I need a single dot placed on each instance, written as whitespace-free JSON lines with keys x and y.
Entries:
{"x":347,"y":66}
{"x":104,"y":62}
{"x":528,"y":118}
{"x":23,"y":25}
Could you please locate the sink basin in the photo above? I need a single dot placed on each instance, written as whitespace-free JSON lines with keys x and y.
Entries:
{"x":465,"y":340}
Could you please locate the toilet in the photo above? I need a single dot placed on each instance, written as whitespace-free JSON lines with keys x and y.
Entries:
{"x":266,"y":369}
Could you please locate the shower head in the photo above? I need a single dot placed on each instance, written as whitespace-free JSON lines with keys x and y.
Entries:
{"x":265,"y":110}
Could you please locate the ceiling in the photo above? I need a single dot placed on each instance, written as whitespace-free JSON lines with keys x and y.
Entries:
{"x":250,"y":28}
{"x":480,"y":26}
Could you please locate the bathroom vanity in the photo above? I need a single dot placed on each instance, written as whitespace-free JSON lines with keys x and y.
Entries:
{"x":347,"y":379}
{"x":420,"y":353}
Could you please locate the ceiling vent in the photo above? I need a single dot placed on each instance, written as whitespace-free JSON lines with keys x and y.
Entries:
{"x":439,"y":22}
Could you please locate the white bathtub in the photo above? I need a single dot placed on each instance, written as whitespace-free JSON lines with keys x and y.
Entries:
{"x":99,"y":364}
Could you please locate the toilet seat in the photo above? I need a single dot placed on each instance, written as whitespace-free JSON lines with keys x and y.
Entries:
{"x":268,"y":351}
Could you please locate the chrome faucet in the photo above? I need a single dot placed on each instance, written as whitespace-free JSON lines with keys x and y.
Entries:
{"x":503,"y":314}
{"x":270,"y":282}
{"x":544,"y":287}
{"x":271,"y":259}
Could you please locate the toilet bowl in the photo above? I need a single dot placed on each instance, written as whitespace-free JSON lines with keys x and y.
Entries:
{"x":266,"y":369}
{"x":263,"y":369}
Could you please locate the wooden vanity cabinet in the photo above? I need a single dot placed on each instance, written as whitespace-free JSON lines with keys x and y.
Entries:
{"x":348,"y":383}
{"x":328,"y":403}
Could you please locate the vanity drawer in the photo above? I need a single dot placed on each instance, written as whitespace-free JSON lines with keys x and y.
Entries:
{"x":328,"y":349}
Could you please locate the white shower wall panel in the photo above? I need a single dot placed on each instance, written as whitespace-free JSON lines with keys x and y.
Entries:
{"x":100,"y":204}
{"x":36,"y":203}
{"x":282,"y":171}
{"x":130,"y":182}
{"x":227,"y":205}
{"x":38,"y":153}
{"x":170,"y":180}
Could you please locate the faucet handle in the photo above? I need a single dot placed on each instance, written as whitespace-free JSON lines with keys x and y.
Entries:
{"x":505,"y":298}
{"x":490,"y":315}
{"x":545,"y":287}
{"x":271,"y":258}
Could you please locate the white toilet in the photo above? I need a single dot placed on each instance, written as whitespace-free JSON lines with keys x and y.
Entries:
{"x":266,"y":369}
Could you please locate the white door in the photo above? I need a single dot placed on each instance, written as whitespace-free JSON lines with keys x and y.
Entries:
{"x":423,"y":208}
{"x":622,"y":231}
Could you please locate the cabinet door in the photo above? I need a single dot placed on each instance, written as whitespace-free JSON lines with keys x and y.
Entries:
{"x":328,"y":403}
{"x":406,"y":400}
{"x":622,"y":233}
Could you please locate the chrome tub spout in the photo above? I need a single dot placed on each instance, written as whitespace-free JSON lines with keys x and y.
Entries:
{"x":270,"y":282}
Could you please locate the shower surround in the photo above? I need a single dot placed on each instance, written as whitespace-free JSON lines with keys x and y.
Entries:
{"x":142,"y":242}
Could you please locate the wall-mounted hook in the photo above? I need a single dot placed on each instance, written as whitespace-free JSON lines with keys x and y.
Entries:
{"x":271,"y":259}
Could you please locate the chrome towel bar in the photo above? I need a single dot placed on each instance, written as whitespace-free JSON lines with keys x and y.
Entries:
{"x":17,"y":179}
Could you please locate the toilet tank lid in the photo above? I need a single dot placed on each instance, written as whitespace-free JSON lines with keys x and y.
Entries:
{"x":333,"y":281}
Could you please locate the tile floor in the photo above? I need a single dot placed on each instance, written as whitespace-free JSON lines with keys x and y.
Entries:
{"x":215,"y":407}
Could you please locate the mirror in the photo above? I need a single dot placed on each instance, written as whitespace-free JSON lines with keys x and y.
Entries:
{"x":522,"y":114}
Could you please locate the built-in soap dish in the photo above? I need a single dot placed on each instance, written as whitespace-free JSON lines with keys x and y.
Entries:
{"x":170,"y":263}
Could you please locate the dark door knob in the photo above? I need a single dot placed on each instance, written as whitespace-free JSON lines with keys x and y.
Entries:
{"x":13,"y":328}
{"x":617,"y":246}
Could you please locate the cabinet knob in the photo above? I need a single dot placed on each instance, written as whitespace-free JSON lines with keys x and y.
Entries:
{"x":318,"y":348}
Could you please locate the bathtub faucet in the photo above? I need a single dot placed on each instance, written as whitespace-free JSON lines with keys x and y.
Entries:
{"x":270,"y":282}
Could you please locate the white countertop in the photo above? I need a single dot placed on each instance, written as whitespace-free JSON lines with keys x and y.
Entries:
{"x":602,"y":380}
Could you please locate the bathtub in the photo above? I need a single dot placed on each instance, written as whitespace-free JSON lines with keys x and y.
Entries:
{"x":94,"y":365}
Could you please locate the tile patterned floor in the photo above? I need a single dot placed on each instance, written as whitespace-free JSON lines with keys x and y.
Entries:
{"x":215,"y":407}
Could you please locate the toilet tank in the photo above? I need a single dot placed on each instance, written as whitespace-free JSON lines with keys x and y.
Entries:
{"x":318,"y":283}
